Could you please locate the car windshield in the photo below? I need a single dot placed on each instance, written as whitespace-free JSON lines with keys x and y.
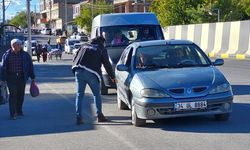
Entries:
{"x":124,"y":35}
{"x":170,"y":56}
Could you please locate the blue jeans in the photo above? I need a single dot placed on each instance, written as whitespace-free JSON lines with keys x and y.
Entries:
{"x":84,"y":77}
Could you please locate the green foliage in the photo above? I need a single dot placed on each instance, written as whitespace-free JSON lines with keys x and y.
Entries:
{"x":21,"y":20}
{"x":86,"y":16}
{"x":179,"y":12}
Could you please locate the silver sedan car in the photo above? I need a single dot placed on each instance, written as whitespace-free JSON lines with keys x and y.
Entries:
{"x":171,"y":78}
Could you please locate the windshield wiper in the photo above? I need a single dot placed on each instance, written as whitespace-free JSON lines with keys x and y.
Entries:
{"x":180,"y":65}
{"x":156,"y":66}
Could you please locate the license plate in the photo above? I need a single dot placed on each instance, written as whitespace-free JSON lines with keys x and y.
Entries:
{"x":190,"y":105}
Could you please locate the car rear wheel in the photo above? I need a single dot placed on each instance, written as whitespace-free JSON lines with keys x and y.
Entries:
{"x":121,"y":105}
{"x":104,"y":89}
{"x":135,"y":120}
{"x":222,"y":117}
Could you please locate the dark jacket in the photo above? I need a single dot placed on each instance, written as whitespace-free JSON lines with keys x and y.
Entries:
{"x":91,"y":56}
{"x":28,"y":69}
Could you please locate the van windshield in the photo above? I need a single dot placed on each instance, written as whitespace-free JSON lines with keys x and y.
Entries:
{"x":124,"y":35}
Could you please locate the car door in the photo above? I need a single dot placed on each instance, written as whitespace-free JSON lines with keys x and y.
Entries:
{"x":124,"y":77}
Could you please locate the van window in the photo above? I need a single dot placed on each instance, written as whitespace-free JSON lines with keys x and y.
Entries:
{"x":123,"y":35}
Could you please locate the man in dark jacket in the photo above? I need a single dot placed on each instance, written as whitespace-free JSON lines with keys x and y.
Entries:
{"x":16,"y":68}
{"x":87,"y":70}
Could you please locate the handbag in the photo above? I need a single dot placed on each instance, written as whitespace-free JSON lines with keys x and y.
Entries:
{"x":34,"y":90}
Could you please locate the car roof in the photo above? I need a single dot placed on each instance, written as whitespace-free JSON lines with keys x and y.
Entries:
{"x":125,"y":19}
{"x":32,"y":41}
{"x":161,"y":42}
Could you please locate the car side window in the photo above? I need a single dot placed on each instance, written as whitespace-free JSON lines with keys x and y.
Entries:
{"x":123,"y":56}
{"x":129,"y":57}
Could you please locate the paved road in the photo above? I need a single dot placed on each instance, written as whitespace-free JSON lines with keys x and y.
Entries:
{"x":49,"y":121}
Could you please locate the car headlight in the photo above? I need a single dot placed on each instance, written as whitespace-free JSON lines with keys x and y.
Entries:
{"x":221,"y":88}
{"x":153,"y":93}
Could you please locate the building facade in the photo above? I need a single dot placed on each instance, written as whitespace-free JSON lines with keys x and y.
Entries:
{"x":56,"y":14}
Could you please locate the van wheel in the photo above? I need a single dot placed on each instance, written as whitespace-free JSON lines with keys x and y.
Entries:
{"x":221,"y":117}
{"x":104,"y":89}
{"x":121,"y":105}
{"x":135,"y":120}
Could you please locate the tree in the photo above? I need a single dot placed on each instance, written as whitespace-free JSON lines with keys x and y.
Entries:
{"x":179,"y":12}
{"x":86,"y":16}
{"x":21,"y":19}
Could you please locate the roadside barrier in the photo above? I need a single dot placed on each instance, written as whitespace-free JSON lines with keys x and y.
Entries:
{"x":222,"y":39}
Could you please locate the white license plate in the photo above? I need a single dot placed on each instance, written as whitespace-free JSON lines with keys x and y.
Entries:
{"x":190,"y":105}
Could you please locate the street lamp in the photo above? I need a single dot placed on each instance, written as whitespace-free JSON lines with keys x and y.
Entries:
{"x":218,"y":13}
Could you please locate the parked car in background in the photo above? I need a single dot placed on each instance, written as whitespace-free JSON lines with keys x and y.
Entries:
{"x":171,"y":78}
{"x":34,"y":45}
{"x":76,"y":47}
{"x":46,"y":31}
{"x":69,"y":45}
{"x":57,"y":32}
{"x":129,"y":26}
{"x":35,"y":31}
{"x":78,"y":36}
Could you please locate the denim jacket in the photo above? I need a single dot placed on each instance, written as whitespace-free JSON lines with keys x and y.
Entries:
{"x":28,"y":69}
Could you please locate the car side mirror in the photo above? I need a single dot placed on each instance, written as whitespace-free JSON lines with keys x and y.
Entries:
{"x":121,"y":67}
{"x":218,"y":62}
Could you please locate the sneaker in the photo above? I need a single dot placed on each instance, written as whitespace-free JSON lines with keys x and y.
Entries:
{"x":101,"y":118}
{"x":13,"y":117}
{"x":79,"y":120}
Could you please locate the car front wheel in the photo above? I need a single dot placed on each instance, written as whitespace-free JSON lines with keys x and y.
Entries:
{"x":135,"y":120}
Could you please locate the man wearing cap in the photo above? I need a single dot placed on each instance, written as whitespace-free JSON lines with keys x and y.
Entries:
{"x":87,"y":70}
{"x":16,"y":68}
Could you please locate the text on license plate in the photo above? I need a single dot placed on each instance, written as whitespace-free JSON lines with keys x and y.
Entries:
{"x":190,"y":105}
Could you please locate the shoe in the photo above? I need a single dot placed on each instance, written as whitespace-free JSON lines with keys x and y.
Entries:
{"x":79,"y":120}
{"x":12,"y":117}
{"x":101,"y":118}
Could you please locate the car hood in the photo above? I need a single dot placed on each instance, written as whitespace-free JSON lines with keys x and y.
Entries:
{"x":178,"y":81}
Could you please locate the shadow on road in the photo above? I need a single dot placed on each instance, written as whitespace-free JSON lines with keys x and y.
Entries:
{"x":238,"y":123}
{"x":241,"y":89}
{"x":46,"y":114}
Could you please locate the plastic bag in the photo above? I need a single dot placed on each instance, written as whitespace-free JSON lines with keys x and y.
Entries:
{"x":34,"y":90}
{"x":4,"y":97}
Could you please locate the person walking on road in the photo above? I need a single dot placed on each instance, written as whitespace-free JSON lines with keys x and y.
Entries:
{"x":87,"y":70}
{"x":39,"y":52}
{"x":16,"y":69}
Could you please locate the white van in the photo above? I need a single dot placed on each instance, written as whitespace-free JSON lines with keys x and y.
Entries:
{"x":34,"y":45}
{"x":69,"y":45}
{"x":121,"y":29}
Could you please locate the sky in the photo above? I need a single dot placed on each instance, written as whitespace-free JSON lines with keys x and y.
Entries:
{"x":15,"y":6}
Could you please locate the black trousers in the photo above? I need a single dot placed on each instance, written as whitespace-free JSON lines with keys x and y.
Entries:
{"x":16,"y":85}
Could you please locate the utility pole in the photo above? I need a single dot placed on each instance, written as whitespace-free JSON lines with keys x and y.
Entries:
{"x":4,"y":42}
{"x":92,"y":9}
{"x":65,"y":24}
{"x":35,"y":17}
{"x":144,"y":5}
{"x":50,"y":5}
{"x":29,"y":26}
